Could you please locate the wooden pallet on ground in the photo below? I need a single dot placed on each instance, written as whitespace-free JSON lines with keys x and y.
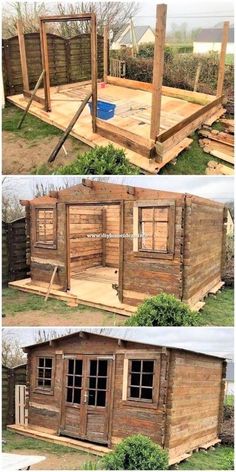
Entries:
{"x":228,"y":124}
{"x":215,"y":168}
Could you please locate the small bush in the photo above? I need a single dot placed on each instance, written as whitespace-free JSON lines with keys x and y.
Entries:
{"x":136,"y":452}
{"x":102,"y":160}
{"x":163,"y":310}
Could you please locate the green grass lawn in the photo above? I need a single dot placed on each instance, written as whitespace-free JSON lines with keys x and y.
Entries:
{"x":220,"y":458}
{"x":229,"y":400}
{"x":16,"y":442}
{"x":32,"y":128}
{"x":219,"y":309}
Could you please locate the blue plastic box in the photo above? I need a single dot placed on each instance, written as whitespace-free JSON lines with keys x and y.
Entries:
{"x":105,"y":110}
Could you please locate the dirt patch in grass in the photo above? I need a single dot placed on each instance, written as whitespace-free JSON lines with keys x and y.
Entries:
{"x":21,"y":156}
{"x":65,"y":461}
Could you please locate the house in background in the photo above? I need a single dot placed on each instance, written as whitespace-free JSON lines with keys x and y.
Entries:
{"x":143,"y":34}
{"x":229,"y":382}
{"x":209,"y":39}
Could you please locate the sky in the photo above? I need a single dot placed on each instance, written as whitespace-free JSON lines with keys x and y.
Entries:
{"x":214,"y":341}
{"x":218,"y":188}
{"x":196,"y":13}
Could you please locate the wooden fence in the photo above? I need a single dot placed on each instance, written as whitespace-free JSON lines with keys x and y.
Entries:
{"x":11,"y":378}
{"x":15,"y":248}
{"x":69,"y":60}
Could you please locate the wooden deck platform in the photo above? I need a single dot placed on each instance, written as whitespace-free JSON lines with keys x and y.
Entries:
{"x":49,"y":435}
{"x":93,"y":288}
{"x":132,"y":118}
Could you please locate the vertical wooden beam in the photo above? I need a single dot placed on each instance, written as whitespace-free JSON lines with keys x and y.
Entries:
{"x":158,"y":67}
{"x":105,"y":52}
{"x":221,"y":71}
{"x":121,"y":254}
{"x":45,"y":62}
{"x":23,"y":61}
{"x":104,"y":213}
{"x":94,"y":70}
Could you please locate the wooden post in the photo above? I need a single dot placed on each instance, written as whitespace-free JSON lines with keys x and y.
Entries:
{"x":198,"y":72}
{"x":221,"y":71}
{"x":51,"y":282}
{"x":105,"y":52}
{"x":31,"y":98}
{"x":103,"y":239}
{"x":44,"y":52}
{"x":23,"y":61}
{"x":69,"y":128}
{"x":158,"y":67}
{"x":94,"y":70}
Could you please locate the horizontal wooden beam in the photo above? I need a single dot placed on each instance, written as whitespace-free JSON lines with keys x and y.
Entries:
{"x":76,"y":17}
{"x":186,"y":121}
{"x":143,"y":146}
{"x":24,"y":202}
{"x":36,"y":98}
{"x":188,"y":95}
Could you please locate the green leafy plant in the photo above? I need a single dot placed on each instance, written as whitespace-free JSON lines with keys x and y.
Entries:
{"x":136,"y":452}
{"x":163,"y":310}
{"x":102,"y":160}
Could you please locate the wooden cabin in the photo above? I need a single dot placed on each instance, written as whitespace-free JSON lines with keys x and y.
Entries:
{"x":101,"y":389}
{"x":171,"y":243}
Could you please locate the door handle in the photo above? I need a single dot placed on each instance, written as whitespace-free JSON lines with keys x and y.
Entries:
{"x":85,"y":397}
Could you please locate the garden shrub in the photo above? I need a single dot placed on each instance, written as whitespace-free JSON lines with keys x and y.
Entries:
{"x":163,"y":310}
{"x":136,"y":452}
{"x":102,"y":160}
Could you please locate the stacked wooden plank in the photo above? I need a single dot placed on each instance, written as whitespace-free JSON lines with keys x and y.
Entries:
{"x":219,"y":144}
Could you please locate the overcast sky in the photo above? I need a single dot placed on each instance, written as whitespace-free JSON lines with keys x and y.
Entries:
{"x":214,"y":187}
{"x":215,"y":341}
{"x":196,"y":13}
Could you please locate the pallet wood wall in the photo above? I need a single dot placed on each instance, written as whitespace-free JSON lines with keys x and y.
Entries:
{"x":193,"y":402}
{"x":203,"y":248}
{"x":10,"y":378}
{"x":86,"y":251}
{"x":14,"y":249}
{"x":69,"y":60}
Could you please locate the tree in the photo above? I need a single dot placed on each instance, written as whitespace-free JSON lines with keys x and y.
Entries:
{"x":28,"y":13}
{"x":44,"y":335}
{"x":115,"y":14}
{"x":11,"y":207}
{"x":12,"y":353}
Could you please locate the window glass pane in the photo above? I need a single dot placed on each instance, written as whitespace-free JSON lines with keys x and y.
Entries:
{"x":71,"y":366}
{"x":102,"y":368}
{"x":77,"y":395}
{"x":147,"y":380}
{"x":134,"y":392}
{"x":47,"y":383}
{"x":48,"y":373}
{"x":148,"y":366}
{"x":78,"y":381}
{"x":136,"y":366}
{"x":91,"y":398}
{"x":48,"y":362}
{"x":70,"y":380}
{"x":78,"y":367}
{"x":69,"y":395}
{"x":41,"y":362}
{"x":102,"y":383}
{"x":40,"y":382}
{"x":93,"y":367}
{"x":40,"y":372}
{"x":147,"y":214}
{"x":147,"y":238}
{"x":92,"y":382}
{"x":146,"y":393}
{"x":160,"y":236}
{"x":161,"y":214}
{"x":135,"y":379}
{"x":101,"y":398}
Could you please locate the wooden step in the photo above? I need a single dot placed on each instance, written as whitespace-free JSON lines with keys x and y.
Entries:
{"x":216,"y":289}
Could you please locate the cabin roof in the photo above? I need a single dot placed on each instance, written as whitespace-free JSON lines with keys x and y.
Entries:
{"x":213,"y":35}
{"x":139,"y":339}
{"x":86,"y":186}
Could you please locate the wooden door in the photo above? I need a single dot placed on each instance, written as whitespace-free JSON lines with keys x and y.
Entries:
{"x":87,"y":397}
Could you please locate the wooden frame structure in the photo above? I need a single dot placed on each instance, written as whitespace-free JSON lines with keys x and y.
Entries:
{"x":174,"y":257}
{"x":162,"y":145}
{"x":181,"y":383}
